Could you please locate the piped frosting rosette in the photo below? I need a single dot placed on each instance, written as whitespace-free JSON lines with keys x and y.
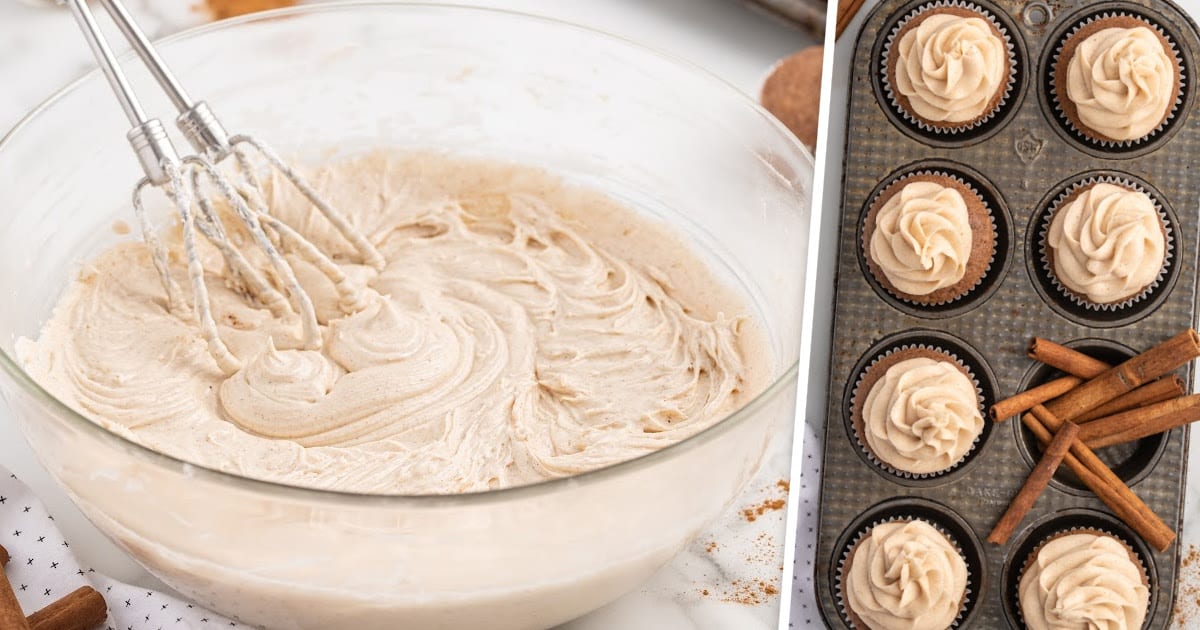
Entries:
{"x":1122,"y":85}
{"x":921,"y":241}
{"x":1106,"y":243}
{"x":903,"y":573}
{"x":921,"y":417}
{"x":954,"y":67}
{"x":1083,"y":578}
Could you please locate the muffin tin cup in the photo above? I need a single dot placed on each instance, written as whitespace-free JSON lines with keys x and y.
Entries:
{"x":936,"y":346}
{"x":946,"y":522}
{"x":1024,"y":159}
{"x":1069,"y":522}
{"x":997,"y":264}
{"x":1052,"y":68}
{"x":914,"y":120}
{"x":1132,"y":461}
{"x":957,"y":179}
{"x":1072,"y":300}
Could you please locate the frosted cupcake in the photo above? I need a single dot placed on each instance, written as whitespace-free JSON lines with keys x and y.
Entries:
{"x":917,"y":411}
{"x":1083,"y":579}
{"x":1106,"y":244}
{"x":948,"y":67}
{"x":904,"y":575}
{"x":929,"y":238}
{"x":1117,"y":79}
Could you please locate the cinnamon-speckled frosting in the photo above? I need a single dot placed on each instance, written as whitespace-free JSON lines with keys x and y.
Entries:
{"x":905,"y":576}
{"x":922,"y":239}
{"x":1122,"y":82}
{"x":1107,"y":243}
{"x":951,"y":68}
{"x":1083,"y":581}
{"x":922,"y":416}
{"x":521,"y":330}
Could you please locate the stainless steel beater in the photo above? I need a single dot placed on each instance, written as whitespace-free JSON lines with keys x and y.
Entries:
{"x":188,"y":182}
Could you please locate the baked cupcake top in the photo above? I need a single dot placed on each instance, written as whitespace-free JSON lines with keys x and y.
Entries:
{"x":1083,"y":580}
{"x":951,"y":68}
{"x":1107,"y":243}
{"x":1122,"y":82}
{"x":922,"y":238}
{"x":906,"y":575}
{"x":922,"y":416}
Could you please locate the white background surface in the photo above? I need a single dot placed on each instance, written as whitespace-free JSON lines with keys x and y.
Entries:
{"x":830,"y":220}
{"x":41,"y":49}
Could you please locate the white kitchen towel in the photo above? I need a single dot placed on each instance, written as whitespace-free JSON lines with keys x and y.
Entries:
{"x":43,"y":569}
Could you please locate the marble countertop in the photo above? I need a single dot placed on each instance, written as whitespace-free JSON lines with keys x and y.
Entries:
{"x":803,"y":607}
{"x":41,"y":50}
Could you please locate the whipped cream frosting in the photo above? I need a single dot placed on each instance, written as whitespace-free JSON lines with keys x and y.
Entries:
{"x":951,"y":68}
{"x":1108,"y":243}
{"x":521,"y":330}
{"x":906,"y":576}
{"x":1083,"y":581}
{"x":922,"y":416}
{"x":1122,"y":82}
{"x":922,"y":238}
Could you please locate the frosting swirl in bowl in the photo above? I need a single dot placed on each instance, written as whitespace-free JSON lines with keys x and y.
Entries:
{"x":1083,"y":580}
{"x":922,"y":238}
{"x":521,"y":330}
{"x":1108,"y":243}
{"x":922,"y":416}
{"x":906,"y":576}
{"x":951,"y":68}
{"x":1122,"y":82}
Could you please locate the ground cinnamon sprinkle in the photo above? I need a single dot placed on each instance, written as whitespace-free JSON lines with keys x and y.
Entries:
{"x":751,"y":514}
{"x":1187,"y":596}
{"x":711,"y":547}
{"x":784,"y":485}
{"x":221,"y":9}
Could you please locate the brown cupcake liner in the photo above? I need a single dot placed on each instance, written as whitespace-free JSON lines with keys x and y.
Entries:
{"x":839,"y":591}
{"x":892,"y":39}
{"x":892,"y":291}
{"x":857,"y":421}
{"x":1094,"y":138}
{"x":1133,"y":555}
{"x":1046,"y":257}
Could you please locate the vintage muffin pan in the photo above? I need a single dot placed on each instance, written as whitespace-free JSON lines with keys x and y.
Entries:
{"x":1021,"y":160}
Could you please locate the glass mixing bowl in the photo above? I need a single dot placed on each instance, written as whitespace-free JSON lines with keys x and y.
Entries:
{"x":665,"y":137}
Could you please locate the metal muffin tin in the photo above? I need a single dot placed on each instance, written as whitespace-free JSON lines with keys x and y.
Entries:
{"x":1020,"y":161}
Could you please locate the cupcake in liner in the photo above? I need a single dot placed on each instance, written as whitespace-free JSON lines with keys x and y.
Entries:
{"x":1065,"y":109}
{"x":983,"y":228}
{"x":847,"y":558}
{"x":1033,"y":554}
{"x":1046,"y":253}
{"x":901,"y":104}
{"x":875,"y":371}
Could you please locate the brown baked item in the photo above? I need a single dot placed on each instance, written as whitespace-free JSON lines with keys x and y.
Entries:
{"x":983,"y":240}
{"x":1070,"y":47}
{"x":997,"y":97}
{"x":792,"y":93}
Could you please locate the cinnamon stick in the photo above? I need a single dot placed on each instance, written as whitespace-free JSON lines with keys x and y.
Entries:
{"x":82,"y":609}
{"x":1166,"y":388}
{"x":1023,"y":401}
{"x":11,"y":617}
{"x":1103,"y":482}
{"x":1136,"y":424}
{"x":1131,"y":374}
{"x":1034,"y":484}
{"x":1072,"y":362}
{"x":846,"y":10}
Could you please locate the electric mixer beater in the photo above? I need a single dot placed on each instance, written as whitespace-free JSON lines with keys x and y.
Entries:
{"x":225,"y":167}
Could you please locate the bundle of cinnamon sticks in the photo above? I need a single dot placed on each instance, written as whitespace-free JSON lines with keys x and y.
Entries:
{"x":82,"y":609}
{"x":1096,"y":405}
